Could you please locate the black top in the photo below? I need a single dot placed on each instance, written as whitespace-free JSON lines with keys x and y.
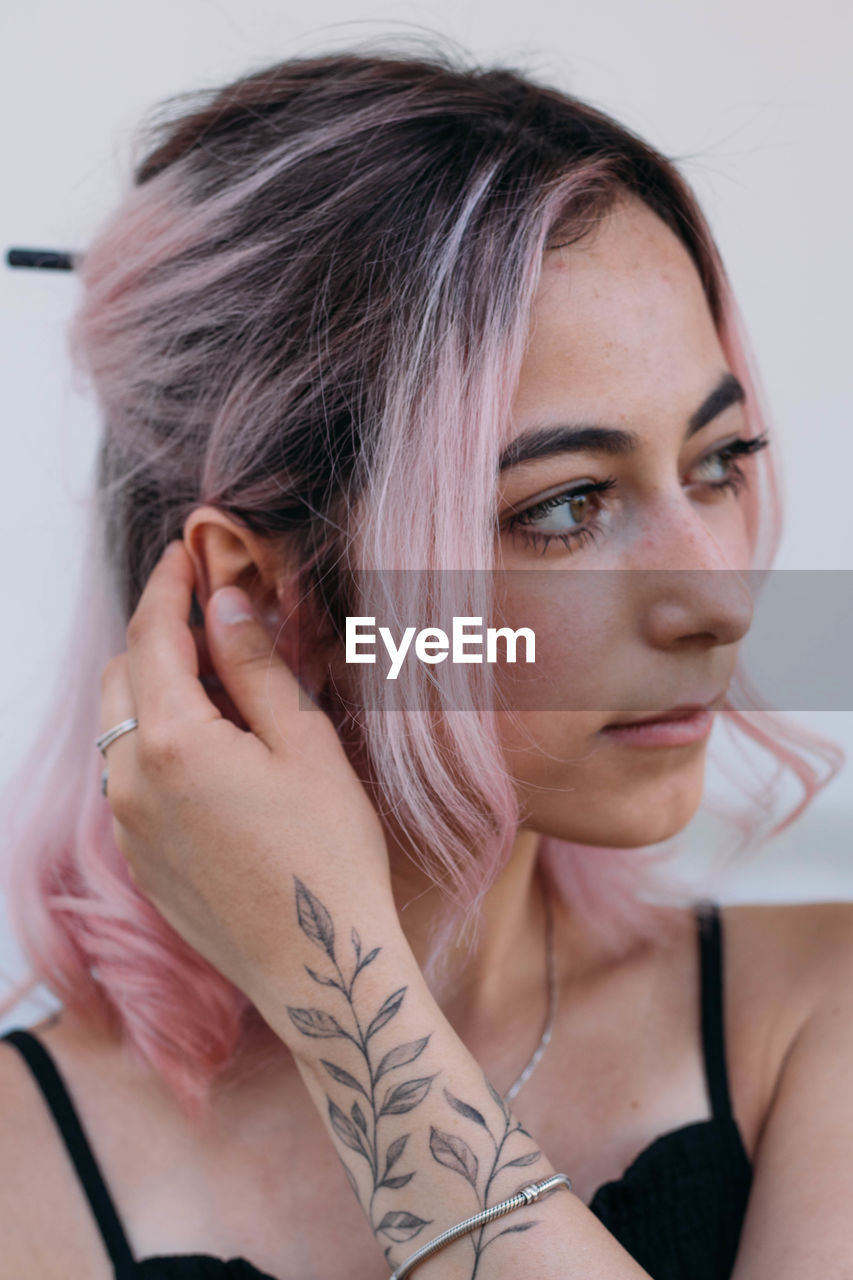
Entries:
{"x":677,"y":1209}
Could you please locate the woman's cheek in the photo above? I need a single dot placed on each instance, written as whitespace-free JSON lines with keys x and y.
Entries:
{"x":576,"y":624}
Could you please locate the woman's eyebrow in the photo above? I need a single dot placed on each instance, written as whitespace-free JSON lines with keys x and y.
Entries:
{"x":541,"y":442}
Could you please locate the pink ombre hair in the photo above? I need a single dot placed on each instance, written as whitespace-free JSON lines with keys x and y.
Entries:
{"x":310,"y":310}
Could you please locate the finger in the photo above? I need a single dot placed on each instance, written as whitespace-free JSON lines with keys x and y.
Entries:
{"x":214,"y":687}
{"x":255,"y":676}
{"x":206,"y":671}
{"x":117,"y":705}
{"x":163,"y":659}
{"x":117,"y":701}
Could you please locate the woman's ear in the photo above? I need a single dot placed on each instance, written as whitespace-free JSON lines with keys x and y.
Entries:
{"x":225,"y":553}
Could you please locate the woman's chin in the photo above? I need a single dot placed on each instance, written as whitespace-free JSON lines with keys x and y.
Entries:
{"x":622,"y":824}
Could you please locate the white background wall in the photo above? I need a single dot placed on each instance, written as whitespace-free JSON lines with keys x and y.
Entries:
{"x":753,"y":97}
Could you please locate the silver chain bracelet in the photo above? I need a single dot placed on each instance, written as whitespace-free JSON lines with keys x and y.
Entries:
{"x":526,"y":1196}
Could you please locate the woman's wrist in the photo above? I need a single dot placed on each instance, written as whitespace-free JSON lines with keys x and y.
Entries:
{"x":327,"y":948}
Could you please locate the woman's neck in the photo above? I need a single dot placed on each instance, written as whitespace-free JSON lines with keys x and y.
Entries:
{"x":509,"y":953}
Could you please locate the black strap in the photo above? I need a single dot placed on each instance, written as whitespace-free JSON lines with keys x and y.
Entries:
{"x":67,"y":1121}
{"x":713,"y":1029}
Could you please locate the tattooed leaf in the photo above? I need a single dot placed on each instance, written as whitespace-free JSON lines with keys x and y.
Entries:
{"x":314,"y":1022}
{"x":406,"y":1096}
{"x":508,"y":1231}
{"x":343,"y":1077}
{"x":396,"y":1183}
{"x":346,"y":1130}
{"x":352,"y":1181}
{"x":368,"y":959}
{"x":358,"y":1117}
{"x":314,"y":919}
{"x":394,"y":1152}
{"x":356,"y":943}
{"x":401,"y":1226}
{"x":519,"y":1162}
{"x":469,"y":1112}
{"x":386,"y":1013}
{"x":454,"y":1154}
{"x":401,"y":1056}
{"x":324,"y":982}
{"x":496,"y":1097}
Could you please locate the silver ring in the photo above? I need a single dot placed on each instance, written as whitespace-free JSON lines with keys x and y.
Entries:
{"x":110,"y":736}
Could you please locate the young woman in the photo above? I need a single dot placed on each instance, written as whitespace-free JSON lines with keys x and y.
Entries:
{"x":337,"y":975}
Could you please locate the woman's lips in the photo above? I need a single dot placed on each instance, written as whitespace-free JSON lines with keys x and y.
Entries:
{"x":672,"y":729}
{"x":674,"y":713}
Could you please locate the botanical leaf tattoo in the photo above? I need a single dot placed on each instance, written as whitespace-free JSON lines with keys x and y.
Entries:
{"x":324,"y":982}
{"x":343,"y":1077}
{"x":348,"y":1132}
{"x":470,"y":1113}
{"x":455,"y":1153}
{"x":316,"y":1023}
{"x":364,"y":1130}
{"x":496,"y":1097}
{"x":314,"y":919}
{"x":398,"y":1181}
{"x":406,"y":1096}
{"x":530,"y":1157}
{"x":401,"y":1056}
{"x":396,"y":1149}
{"x":375,"y":1088}
{"x":386,"y":1013}
{"x":402,"y":1226}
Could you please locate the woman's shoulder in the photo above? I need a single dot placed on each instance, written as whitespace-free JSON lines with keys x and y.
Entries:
{"x":784,"y":965}
{"x":119,"y":1104}
{"x":782,"y":961}
{"x":801,"y":956}
{"x":45,"y":1224}
{"x":797,"y":945}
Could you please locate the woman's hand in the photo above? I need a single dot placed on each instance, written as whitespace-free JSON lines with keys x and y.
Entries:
{"x":213,"y":819}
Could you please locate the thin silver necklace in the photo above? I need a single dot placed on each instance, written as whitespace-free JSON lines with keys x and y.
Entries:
{"x":553,"y":991}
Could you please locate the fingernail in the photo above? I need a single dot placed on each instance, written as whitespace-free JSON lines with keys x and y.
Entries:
{"x":232,"y":605}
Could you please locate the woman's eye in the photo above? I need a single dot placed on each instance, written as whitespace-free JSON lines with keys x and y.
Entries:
{"x":574,"y":519}
{"x":565,"y":517}
{"x":733,"y":476}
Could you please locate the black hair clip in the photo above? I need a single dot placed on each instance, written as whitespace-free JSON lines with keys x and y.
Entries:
{"x":43,"y":259}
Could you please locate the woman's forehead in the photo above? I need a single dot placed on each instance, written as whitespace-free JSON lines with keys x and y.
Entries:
{"x":620,"y":317}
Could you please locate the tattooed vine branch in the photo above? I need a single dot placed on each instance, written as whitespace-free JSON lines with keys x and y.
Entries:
{"x":359,"y":1131}
{"x":455,"y":1153}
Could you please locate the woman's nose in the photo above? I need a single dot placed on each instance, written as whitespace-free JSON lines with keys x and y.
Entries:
{"x":687,"y":582}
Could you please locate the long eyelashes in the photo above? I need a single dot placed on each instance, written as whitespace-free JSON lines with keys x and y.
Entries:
{"x":518,"y":524}
{"x":735,"y":480}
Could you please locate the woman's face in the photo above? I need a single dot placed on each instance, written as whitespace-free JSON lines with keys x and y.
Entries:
{"x":622,"y":337}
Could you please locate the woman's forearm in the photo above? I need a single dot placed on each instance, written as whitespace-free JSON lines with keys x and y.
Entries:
{"x":425,"y":1138}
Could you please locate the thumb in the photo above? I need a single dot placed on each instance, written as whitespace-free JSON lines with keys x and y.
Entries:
{"x":259,"y":683}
